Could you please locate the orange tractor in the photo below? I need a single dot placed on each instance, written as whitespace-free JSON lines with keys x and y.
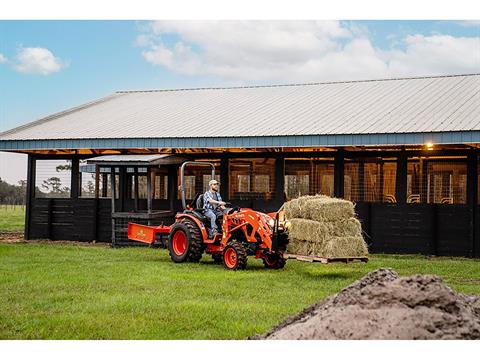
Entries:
{"x":244,"y":232}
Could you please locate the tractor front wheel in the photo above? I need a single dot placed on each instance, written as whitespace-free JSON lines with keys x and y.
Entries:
{"x":235,"y":256}
{"x":274,"y":260}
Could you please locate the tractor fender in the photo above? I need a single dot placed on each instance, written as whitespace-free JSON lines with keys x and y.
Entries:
{"x":200,"y":225}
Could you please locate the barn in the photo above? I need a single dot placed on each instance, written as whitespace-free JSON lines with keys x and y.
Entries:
{"x":405,"y":150}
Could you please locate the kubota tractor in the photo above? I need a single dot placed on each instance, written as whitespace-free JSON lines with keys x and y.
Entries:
{"x":244,"y":232}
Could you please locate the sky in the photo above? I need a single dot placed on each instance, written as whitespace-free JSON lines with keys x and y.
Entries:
{"x":49,"y":66}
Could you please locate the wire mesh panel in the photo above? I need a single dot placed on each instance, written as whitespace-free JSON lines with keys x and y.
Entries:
{"x":252,"y":178}
{"x":308,"y":177}
{"x":53,"y":178}
{"x":437,"y":180}
{"x":370,"y":179}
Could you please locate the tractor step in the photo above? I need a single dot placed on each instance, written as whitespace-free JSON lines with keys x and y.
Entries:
{"x":325,"y":260}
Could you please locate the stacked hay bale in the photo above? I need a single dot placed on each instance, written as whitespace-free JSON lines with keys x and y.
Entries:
{"x":325,"y":227}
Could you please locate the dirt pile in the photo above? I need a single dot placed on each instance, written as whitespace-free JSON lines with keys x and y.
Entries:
{"x":325,"y":227}
{"x":383,"y":305}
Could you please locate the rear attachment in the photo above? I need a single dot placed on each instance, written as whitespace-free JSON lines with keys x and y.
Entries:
{"x":146,"y":234}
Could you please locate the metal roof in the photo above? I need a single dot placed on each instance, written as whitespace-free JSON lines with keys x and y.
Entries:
{"x":444,"y":109}
{"x":138,"y":160}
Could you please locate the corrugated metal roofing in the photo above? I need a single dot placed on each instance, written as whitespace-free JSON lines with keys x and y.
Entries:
{"x":395,"y":106}
{"x":136,"y":159}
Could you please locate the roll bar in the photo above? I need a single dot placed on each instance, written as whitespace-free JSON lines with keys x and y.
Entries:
{"x":182,"y":176}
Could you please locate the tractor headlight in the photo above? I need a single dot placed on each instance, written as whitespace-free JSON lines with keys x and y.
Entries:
{"x":271,"y":223}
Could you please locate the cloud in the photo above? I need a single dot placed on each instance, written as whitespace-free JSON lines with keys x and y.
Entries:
{"x":291,"y":51}
{"x":36,"y":60}
{"x":3,"y":59}
{"x":470,"y":23}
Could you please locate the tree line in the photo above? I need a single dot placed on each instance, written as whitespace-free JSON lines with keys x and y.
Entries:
{"x":13,"y":194}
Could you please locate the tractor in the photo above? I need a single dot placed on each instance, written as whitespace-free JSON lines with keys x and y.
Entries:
{"x":245,"y":232}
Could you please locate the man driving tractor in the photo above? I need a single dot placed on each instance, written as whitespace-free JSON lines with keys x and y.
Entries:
{"x":214,"y":206}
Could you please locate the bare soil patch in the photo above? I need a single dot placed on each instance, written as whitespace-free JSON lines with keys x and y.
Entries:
{"x":11,"y":236}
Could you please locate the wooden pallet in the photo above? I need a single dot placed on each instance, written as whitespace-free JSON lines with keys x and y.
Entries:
{"x":325,"y":260}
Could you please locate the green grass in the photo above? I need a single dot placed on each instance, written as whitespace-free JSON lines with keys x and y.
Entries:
{"x":68,"y":291}
{"x":12,"y":218}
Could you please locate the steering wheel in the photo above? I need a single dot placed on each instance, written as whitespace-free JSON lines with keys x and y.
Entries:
{"x":231,"y":208}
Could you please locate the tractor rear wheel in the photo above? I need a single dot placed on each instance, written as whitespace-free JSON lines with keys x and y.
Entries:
{"x":185,"y":242}
{"x":235,"y":256}
{"x":274,"y":260}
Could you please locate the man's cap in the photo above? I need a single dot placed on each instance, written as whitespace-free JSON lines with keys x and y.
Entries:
{"x":213,"y":182}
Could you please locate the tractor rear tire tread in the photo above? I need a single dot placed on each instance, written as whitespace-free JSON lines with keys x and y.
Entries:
{"x":197,"y":246}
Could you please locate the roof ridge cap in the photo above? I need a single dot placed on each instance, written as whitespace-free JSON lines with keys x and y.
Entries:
{"x":292,"y":84}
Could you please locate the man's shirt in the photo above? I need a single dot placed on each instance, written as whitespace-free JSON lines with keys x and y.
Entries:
{"x":211,"y":195}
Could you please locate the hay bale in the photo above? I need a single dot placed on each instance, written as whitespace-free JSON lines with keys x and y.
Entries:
{"x":318,"y":231}
{"x":324,"y":227}
{"x":344,"y":246}
{"x":319,"y":208}
{"x":296,"y":208}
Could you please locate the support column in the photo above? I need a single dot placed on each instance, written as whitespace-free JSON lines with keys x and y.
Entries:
{"x":472,"y":201}
{"x":75,"y":179}
{"x":30,"y":193}
{"x":280,"y":179}
{"x":224,"y":179}
{"x":401,"y":180}
{"x":338,"y":177}
{"x":172,"y":186}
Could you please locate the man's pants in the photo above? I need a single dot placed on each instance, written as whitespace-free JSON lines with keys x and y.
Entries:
{"x":212,"y":215}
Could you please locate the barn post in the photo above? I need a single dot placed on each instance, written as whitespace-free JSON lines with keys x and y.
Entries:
{"x":75,"y":181}
{"x":280,"y":180}
{"x":224,"y":179}
{"x":472,"y":196}
{"x":172,"y":186}
{"x":30,"y":193}
{"x":114,"y":195}
{"x":401,"y":180}
{"x":339,"y":171}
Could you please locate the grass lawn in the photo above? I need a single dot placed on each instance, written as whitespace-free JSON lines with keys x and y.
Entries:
{"x":12,"y":218}
{"x":69,"y":291}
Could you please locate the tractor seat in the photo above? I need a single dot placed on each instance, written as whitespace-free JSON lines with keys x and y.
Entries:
{"x":199,"y":211}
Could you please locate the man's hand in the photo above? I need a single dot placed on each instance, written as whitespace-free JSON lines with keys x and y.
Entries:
{"x":222,"y":203}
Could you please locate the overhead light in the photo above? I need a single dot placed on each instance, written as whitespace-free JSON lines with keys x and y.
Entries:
{"x":429,"y":145}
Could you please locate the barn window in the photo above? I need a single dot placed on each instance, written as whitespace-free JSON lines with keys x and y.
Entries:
{"x":370,"y":179}
{"x":87,"y":179}
{"x":137,"y":177}
{"x":105,"y":183}
{"x":53,"y":178}
{"x":160,"y":185}
{"x":308,"y":177}
{"x":436,"y":180}
{"x":197,"y":178}
{"x":252,"y":178}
